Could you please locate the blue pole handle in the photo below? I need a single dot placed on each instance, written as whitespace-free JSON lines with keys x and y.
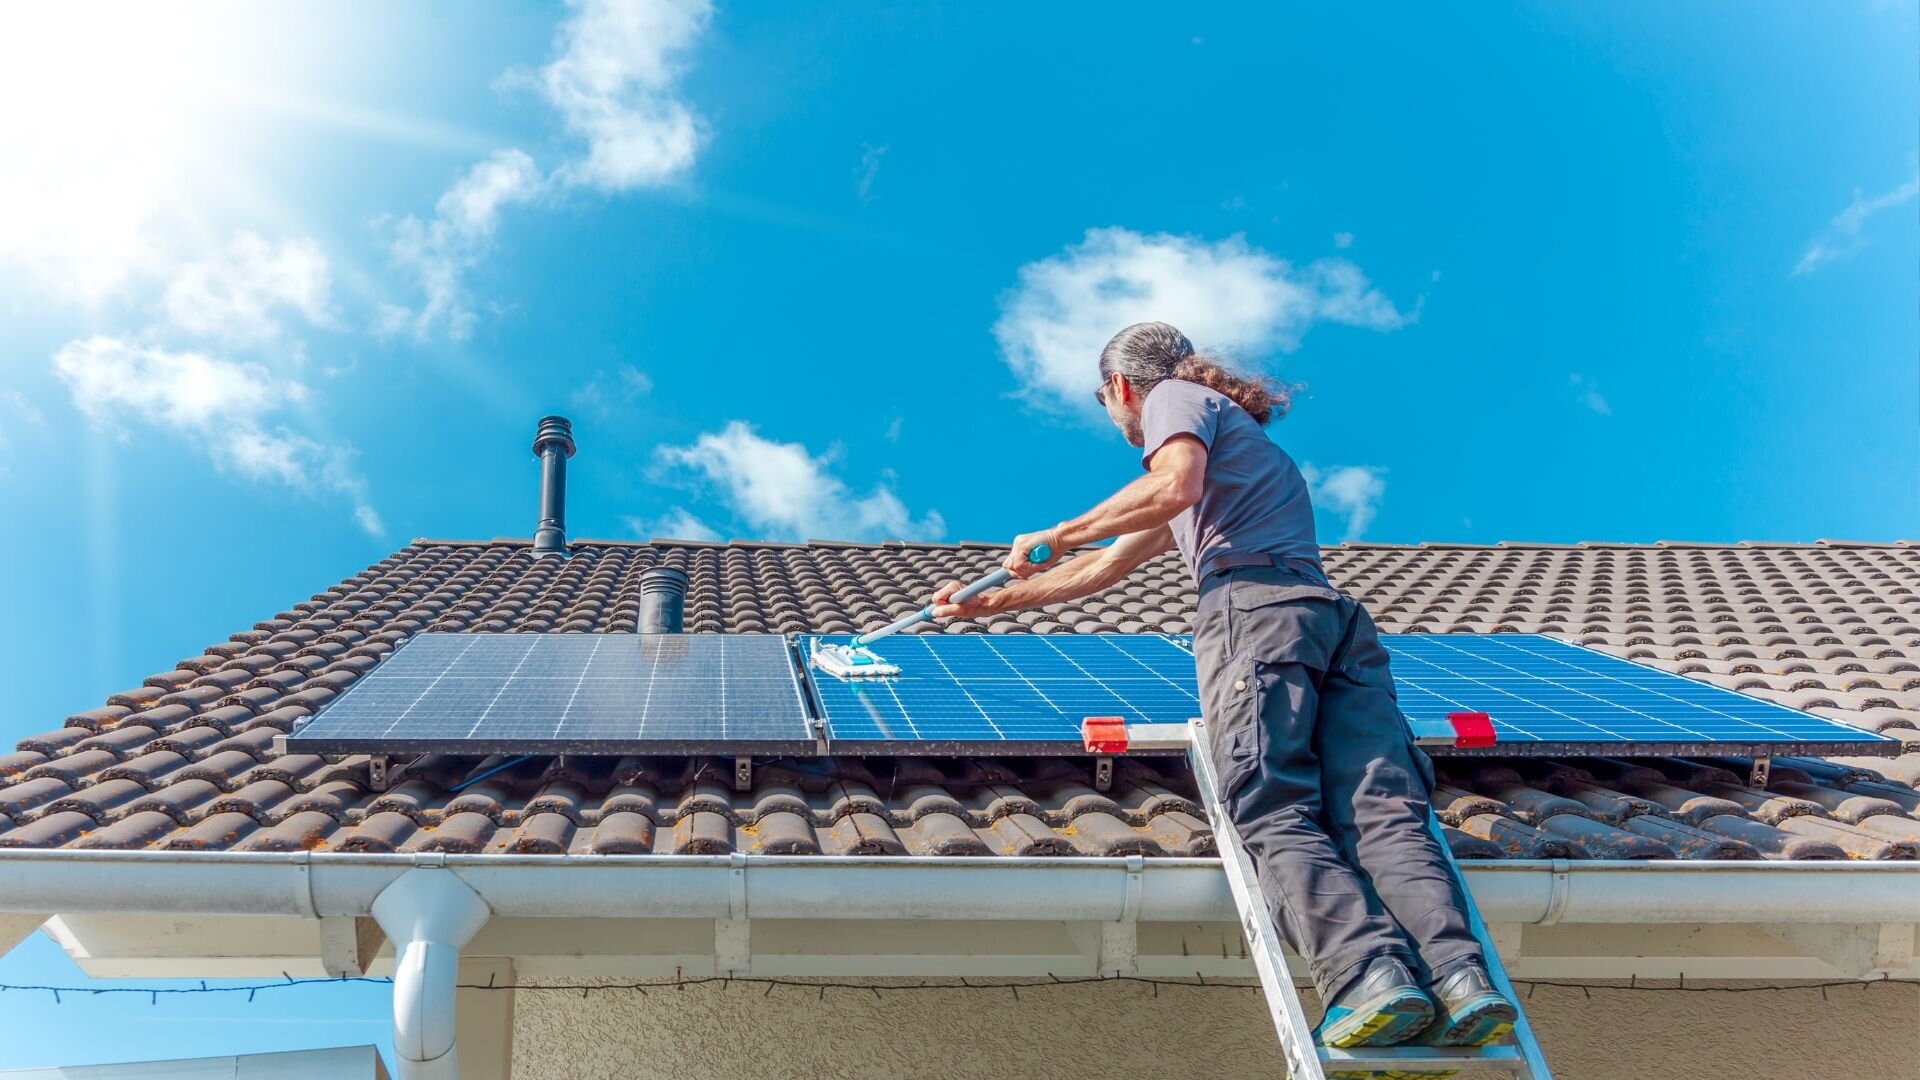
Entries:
{"x":1040,"y":553}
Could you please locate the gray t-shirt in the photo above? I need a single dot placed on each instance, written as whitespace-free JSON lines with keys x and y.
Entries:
{"x":1255,"y":499}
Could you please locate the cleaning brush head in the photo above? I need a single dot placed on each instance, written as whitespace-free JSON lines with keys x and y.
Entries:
{"x":850,"y":662}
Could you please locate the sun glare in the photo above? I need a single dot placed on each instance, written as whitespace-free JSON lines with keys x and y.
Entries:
{"x":122,"y":126}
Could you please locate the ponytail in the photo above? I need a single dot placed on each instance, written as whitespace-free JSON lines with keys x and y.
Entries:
{"x":1264,"y":399}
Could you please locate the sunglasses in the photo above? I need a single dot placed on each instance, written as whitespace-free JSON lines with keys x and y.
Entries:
{"x":1100,"y":393}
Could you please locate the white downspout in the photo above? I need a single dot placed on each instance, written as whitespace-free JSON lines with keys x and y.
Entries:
{"x":428,"y":914}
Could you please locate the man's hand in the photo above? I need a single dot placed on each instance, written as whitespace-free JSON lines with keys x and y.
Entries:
{"x":1023,"y":567}
{"x":971,"y":608}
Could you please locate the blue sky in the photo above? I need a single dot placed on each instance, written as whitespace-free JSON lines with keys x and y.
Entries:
{"x":281,"y":291}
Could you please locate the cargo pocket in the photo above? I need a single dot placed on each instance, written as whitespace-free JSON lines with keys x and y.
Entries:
{"x":1235,"y":723}
{"x":1284,"y":622}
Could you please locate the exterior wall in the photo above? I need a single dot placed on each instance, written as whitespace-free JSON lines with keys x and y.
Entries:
{"x":1119,"y":1030}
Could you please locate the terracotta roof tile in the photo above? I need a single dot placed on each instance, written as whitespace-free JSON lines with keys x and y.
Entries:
{"x":185,"y":761}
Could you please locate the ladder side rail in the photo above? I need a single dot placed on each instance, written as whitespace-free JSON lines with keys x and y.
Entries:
{"x":1533,"y":1061}
{"x":1256,"y":921}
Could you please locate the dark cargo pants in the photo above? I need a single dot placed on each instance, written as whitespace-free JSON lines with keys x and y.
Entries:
{"x":1321,"y":778}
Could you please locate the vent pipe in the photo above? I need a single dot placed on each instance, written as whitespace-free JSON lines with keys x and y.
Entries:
{"x":663,"y":601}
{"x":553,"y":445}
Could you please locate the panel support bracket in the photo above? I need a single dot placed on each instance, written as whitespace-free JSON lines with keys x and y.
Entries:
{"x":1762,"y":769}
{"x":377,"y":777}
{"x":743,"y":774}
{"x":1103,"y":773}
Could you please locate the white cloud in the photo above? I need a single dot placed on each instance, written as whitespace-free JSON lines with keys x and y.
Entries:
{"x":238,"y":295}
{"x":1343,"y":239}
{"x":678,"y":524}
{"x":438,"y":252}
{"x":1222,"y":294}
{"x":1351,"y":491}
{"x":223,"y":405}
{"x":1590,"y":396}
{"x":613,"y":81}
{"x":614,"y":84}
{"x":609,"y":390}
{"x":869,"y":168}
{"x":783,"y":492}
{"x":1844,"y":234}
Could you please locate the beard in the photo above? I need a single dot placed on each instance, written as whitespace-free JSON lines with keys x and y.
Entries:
{"x":1132,"y":430}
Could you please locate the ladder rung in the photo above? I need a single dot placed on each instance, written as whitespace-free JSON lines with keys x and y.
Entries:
{"x":1394,"y":1058}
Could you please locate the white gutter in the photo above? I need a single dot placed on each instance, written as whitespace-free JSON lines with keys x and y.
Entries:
{"x":431,"y":905}
{"x":332,"y":884}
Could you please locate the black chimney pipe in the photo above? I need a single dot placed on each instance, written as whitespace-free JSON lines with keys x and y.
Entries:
{"x":663,"y":601}
{"x":554,"y":437}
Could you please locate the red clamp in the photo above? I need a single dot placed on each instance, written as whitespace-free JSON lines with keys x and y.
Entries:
{"x":1472,"y":729}
{"x":1104,"y":734}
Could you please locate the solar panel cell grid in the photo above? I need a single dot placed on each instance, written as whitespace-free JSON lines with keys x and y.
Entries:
{"x":741,"y":694}
{"x":959,"y":694}
{"x":1543,"y":690}
{"x":972,"y":693}
{"x":663,"y":693}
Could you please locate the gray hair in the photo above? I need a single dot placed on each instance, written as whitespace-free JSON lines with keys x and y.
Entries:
{"x":1145,"y":353}
{"x":1149,"y":353}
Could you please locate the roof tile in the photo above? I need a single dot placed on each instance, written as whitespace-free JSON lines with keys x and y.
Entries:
{"x":186,"y":761}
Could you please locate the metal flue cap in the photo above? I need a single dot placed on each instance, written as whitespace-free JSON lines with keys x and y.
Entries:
{"x":557,"y":430}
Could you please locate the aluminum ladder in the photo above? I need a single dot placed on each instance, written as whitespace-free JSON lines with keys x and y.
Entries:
{"x":1307,"y":1060}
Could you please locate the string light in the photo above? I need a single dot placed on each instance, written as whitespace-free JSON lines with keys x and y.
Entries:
{"x":1527,"y":986}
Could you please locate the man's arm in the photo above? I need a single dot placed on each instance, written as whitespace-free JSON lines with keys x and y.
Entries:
{"x":1173,"y":482}
{"x":1072,"y":580}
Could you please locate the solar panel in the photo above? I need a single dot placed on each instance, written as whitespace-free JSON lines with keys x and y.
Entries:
{"x":1029,"y":693}
{"x":1022,"y":693}
{"x":571,"y":693}
{"x":1548,"y":696}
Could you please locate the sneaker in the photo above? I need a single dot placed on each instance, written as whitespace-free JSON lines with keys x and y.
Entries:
{"x":1383,"y":1006}
{"x":1472,"y":1013}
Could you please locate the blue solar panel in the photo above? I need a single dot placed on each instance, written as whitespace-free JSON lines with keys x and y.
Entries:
{"x":979,"y":693}
{"x":1543,"y":690}
{"x":571,"y":693}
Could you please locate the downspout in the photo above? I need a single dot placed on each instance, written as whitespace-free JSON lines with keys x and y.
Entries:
{"x":428,"y":914}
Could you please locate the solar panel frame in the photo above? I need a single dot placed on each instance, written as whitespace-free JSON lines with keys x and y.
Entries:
{"x":434,"y":693}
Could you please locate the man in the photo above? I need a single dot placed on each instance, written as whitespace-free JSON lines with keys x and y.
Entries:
{"x":1316,"y":765}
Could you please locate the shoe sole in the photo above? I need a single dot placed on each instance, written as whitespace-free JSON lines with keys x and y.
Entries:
{"x":1383,"y":1022}
{"x":1486,"y":1020}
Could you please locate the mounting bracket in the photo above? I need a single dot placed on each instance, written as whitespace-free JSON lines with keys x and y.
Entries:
{"x":1762,"y":769}
{"x":1102,"y":773}
{"x":743,"y":774}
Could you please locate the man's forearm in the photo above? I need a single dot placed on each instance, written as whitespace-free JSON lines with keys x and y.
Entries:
{"x":1071,"y":580}
{"x":1083,"y":576}
{"x":1148,"y":502}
